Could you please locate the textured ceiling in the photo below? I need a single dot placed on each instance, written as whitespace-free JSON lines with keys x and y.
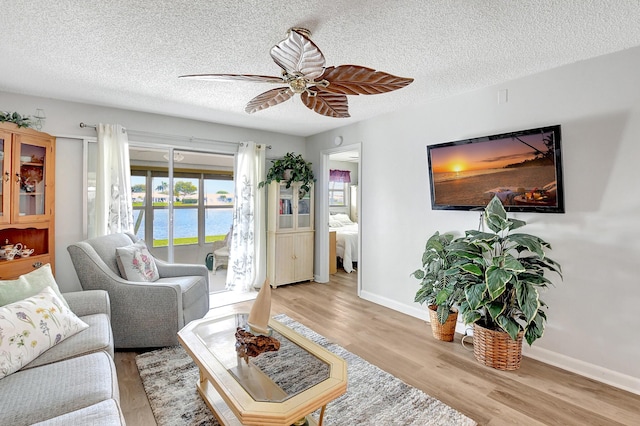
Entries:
{"x":129,"y":53}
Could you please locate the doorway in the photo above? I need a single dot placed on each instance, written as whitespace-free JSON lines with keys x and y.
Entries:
{"x":342,"y":201}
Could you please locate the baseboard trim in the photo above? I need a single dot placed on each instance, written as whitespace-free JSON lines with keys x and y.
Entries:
{"x":592,"y":371}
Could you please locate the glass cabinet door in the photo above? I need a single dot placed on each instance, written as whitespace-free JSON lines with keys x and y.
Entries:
{"x":286,"y":207}
{"x":5,"y":169}
{"x":30,"y":179}
{"x":304,"y":210}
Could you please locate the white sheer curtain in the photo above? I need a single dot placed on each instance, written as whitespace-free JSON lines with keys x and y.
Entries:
{"x":113,"y":208}
{"x":247,"y":254}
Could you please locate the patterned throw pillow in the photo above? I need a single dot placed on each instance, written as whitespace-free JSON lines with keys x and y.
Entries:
{"x":31,"y":326}
{"x":28,"y":285}
{"x":135,"y":263}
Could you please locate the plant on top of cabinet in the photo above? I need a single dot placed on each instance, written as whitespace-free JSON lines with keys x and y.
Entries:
{"x":291,"y":168}
{"x":14,"y":117}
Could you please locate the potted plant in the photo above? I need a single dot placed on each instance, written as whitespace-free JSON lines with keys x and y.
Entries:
{"x":439,"y":287}
{"x":502,"y":273}
{"x":291,"y":168}
{"x":19,"y":120}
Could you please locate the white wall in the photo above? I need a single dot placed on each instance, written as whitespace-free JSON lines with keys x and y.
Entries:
{"x":593,"y":315}
{"x":68,"y":199}
{"x":63,"y":120}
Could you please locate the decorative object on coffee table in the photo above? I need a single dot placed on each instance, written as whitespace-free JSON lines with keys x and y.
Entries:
{"x":256,"y":338}
{"x":250,"y":345}
{"x":261,"y":311}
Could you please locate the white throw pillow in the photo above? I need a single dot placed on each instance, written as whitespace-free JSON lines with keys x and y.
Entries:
{"x":28,"y":285}
{"x":343,"y":219}
{"x":31,"y":326}
{"x":334,"y":223}
{"x":135,"y":263}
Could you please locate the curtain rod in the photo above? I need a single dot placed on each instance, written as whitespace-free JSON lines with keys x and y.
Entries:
{"x":167,"y":136}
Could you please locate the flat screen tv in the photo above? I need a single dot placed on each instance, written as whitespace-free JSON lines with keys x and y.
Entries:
{"x":523,"y":168}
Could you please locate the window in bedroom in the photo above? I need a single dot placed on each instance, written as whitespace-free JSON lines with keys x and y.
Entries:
{"x":338,"y":187}
{"x":337,"y":194}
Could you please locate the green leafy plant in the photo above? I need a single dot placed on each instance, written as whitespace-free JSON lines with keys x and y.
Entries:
{"x":291,"y":168}
{"x":438,"y":276}
{"x":502,"y":274}
{"x":14,"y":117}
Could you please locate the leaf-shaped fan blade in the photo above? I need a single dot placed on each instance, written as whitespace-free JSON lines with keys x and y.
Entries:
{"x":298,"y":54}
{"x":268,"y":99}
{"x":234,"y":77}
{"x":357,"y":80}
{"x":329,"y":104}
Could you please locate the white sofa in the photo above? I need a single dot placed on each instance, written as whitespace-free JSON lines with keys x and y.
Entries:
{"x":72,"y":383}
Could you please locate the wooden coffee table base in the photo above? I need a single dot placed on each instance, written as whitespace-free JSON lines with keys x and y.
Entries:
{"x":224,"y":414}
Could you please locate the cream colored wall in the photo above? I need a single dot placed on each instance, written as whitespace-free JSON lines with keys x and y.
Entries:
{"x":593,"y":321}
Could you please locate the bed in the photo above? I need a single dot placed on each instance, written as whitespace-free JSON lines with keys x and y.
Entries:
{"x":346,"y":239}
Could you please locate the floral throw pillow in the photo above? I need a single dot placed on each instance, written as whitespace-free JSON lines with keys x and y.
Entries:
{"x":135,"y":263}
{"x":31,"y":326}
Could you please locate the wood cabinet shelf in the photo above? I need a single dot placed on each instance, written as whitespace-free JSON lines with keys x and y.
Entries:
{"x":26,"y":197}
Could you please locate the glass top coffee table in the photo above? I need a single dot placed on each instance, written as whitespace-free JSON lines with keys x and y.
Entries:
{"x":274,"y":388}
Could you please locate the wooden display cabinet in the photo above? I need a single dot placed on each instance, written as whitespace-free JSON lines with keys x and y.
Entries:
{"x":27,"y":161}
{"x":290,"y":234}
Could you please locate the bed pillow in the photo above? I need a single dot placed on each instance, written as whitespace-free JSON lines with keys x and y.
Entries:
{"x":135,"y":263}
{"x":334,"y":223}
{"x":31,"y":326}
{"x":343,"y":219}
{"x":28,"y":285}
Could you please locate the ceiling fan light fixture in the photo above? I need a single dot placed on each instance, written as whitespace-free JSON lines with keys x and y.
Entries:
{"x":298,"y":85}
{"x":322,"y":89}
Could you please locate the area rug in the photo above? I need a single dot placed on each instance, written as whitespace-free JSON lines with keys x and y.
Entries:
{"x":374,"y":397}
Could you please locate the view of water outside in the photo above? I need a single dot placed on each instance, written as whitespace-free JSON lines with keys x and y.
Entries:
{"x":218,"y":208}
{"x":217,"y":223}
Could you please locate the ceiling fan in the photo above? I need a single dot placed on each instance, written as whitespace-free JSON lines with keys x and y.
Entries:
{"x":322,"y":89}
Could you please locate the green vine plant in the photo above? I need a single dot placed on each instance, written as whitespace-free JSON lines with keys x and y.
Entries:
{"x":291,"y":168}
{"x":14,"y":117}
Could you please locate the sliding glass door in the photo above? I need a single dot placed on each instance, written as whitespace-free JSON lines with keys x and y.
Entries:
{"x":183,"y":202}
{"x":182,"y":199}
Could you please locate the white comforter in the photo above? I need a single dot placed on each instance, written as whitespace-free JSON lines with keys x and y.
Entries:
{"x":347,"y":245}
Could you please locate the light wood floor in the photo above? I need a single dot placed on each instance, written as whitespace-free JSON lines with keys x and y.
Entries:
{"x":537,"y":394}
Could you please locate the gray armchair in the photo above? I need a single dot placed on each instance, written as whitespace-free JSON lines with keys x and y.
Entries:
{"x":143,"y":314}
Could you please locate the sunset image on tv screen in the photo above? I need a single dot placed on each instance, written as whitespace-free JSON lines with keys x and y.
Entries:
{"x":520,"y":168}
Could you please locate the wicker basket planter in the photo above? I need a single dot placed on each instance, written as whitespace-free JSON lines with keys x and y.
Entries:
{"x":446,"y":331}
{"x":496,"y":349}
